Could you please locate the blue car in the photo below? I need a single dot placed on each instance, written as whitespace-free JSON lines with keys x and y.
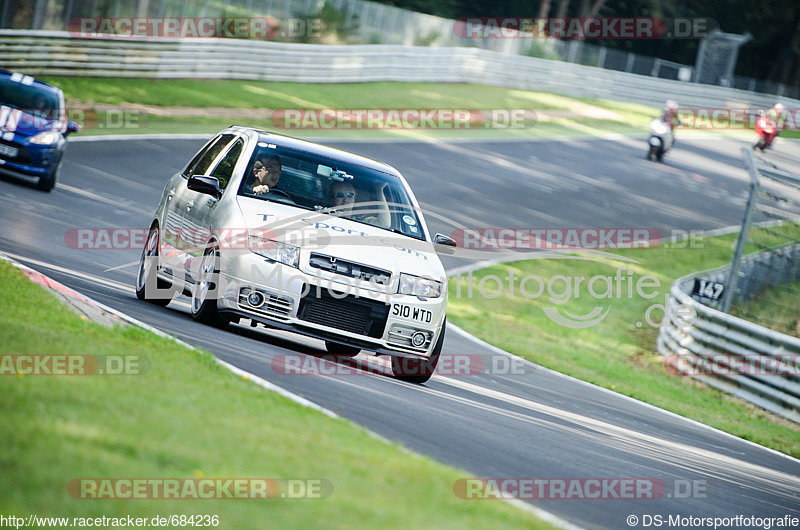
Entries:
{"x":33,"y":127}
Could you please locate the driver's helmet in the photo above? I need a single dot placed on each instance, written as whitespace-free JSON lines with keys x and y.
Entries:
{"x":779,"y":107}
{"x":672,"y":105}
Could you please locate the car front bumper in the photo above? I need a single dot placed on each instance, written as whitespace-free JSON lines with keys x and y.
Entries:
{"x":36,"y":162}
{"x":386,"y":323}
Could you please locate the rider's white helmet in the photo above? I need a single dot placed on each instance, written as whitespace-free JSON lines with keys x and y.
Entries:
{"x":672,"y":104}
{"x":779,"y":107}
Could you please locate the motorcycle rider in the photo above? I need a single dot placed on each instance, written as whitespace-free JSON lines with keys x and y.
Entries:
{"x":766,"y":131}
{"x":768,"y":126}
{"x":777,"y":115}
{"x":670,"y":116}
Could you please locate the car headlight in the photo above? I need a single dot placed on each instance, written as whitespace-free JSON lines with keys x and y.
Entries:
{"x":274,"y":250}
{"x":418,"y":286}
{"x":44,"y":138}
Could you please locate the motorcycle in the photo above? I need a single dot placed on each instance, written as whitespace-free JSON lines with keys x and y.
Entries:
{"x":767,"y":131}
{"x":661,"y":139}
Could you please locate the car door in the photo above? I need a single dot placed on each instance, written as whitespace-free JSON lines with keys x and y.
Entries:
{"x":197,"y":209}
{"x":177,"y":255}
{"x":175,"y":204}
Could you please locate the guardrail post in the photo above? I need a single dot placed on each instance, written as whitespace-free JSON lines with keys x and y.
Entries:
{"x":574,"y":46}
{"x":4,"y":8}
{"x":629,"y":63}
{"x":730,"y":288}
{"x":656,"y":68}
{"x":39,"y":13}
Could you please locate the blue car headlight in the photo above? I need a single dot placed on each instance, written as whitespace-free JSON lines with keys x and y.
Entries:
{"x":45,"y":138}
{"x":274,"y":250}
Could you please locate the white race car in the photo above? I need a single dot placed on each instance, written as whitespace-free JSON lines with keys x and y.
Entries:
{"x":298,"y":236}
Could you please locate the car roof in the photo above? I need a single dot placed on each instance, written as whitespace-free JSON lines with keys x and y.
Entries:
{"x":321,"y":150}
{"x":7,"y":73}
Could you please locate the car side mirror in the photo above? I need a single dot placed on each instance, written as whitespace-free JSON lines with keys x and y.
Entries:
{"x":203,"y":184}
{"x":72,"y":127}
{"x":443,"y":244}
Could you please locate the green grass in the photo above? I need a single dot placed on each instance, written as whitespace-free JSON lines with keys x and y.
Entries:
{"x":278,"y":95}
{"x":187,"y":417}
{"x":775,"y":308}
{"x":187,"y":102}
{"x":616,"y":353}
{"x":150,"y":124}
{"x":197,"y":95}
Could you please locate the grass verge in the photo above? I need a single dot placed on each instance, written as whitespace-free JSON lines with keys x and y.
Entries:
{"x":775,"y":308}
{"x":206,"y":106}
{"x":187,"y":417}
{"x":163,"y":106}
{"x":618,"y":353}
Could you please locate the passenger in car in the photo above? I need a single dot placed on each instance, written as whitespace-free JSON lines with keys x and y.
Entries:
{"x":342,"y":194}
{"x":343,"y":199}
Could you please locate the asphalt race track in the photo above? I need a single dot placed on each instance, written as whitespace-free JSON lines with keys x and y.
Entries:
{"x":531,"y":424}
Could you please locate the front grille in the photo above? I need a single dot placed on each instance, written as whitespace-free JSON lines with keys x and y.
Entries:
{"x":349,"y":268}
{"x":355,"y":315}
{"x":23,"y":156}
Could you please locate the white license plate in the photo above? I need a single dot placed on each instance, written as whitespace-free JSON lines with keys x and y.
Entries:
{"x":412,"y":313}
{"x":8,"y":151}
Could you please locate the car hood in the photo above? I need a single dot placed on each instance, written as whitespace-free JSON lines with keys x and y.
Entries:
{"x":25,"y":124}
{"x":340,"y":238}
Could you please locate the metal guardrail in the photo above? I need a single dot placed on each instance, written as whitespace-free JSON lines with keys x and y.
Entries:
{"x":57,"y":53}
{"x":749,"y":361}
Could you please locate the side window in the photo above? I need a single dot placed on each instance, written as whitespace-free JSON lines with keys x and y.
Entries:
{"x":200,"y":164}
{"x":224,"y":169}
{"x":188,"y":171}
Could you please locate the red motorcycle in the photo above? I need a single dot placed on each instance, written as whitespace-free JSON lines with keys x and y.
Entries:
{"x":767,"y":131}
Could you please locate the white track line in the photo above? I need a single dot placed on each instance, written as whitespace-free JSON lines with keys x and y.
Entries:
{"x":499,"y":351}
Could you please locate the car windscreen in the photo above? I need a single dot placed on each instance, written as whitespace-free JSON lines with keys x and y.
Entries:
{"x":37,"y":100}
{"x":322,"y":184}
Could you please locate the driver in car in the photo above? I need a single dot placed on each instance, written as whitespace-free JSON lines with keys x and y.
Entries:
{"x":266,"y":172}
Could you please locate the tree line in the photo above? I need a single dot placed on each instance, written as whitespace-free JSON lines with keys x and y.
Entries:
{"x":773,"y":54}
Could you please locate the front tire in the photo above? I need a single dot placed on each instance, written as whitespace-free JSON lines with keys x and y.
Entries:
{"x":417,"y":370}
{"x":341,"y":350}
{"x":48,"y":182}
{"x":206,"y":291}
{"x":147,"y":281}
